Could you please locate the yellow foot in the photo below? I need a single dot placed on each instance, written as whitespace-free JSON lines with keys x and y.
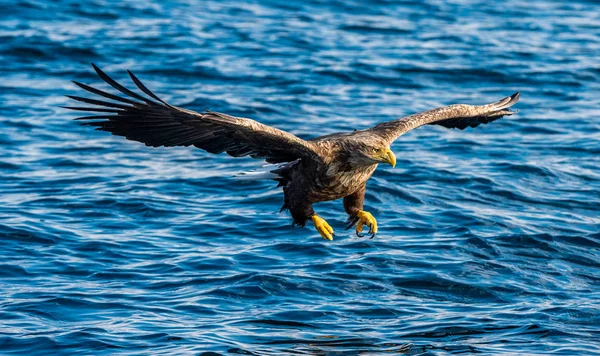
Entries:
{"x":365,"y":218}
{"x":323,"y":228}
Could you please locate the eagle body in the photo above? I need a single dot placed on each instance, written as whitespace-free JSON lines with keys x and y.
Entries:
{"x":341,"y":174}
{"x":336,"y":178}
{"x":330,"y":167}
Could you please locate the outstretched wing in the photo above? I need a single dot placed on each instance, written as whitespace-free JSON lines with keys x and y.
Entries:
{"x":156,"y":123}
{"x":458,"y":116}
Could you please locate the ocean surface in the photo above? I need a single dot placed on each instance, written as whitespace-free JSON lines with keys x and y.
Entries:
{"x":489,"y":238}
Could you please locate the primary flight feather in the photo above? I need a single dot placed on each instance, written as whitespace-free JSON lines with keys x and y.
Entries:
{"x":310,"y":171}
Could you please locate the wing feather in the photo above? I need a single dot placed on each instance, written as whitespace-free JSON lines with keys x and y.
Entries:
{"x":97,"y":102}
{"x":103,"y":93}
{"x":143,"y":88}
{"x":118,"y":86}
{"x":458,"y":116}
{"x":77,"y":108}
{"x":157,"y":123}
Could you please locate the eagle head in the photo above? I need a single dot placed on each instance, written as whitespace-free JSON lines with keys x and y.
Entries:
{"x":371,"y":152}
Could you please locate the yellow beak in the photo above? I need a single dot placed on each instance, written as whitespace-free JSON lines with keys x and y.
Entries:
{"x":389,"y":157}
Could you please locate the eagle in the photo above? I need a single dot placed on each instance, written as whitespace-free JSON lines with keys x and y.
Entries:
{"x":330,"y":167}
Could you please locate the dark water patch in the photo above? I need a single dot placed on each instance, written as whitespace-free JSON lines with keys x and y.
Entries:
{"x":439,"y":289}
{"x":23,"y":235}
{"x":366,"y":29}
{"x":29,"y":344}
{"x":10,"y":271}
{"x":282,"y":323}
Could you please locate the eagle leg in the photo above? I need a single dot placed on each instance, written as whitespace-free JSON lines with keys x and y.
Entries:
{"x":366,"y":218}
{"x":353,"y":204}
{"x":323,"y":227}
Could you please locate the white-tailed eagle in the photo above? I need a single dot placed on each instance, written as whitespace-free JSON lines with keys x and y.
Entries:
{"x":310,"y":171}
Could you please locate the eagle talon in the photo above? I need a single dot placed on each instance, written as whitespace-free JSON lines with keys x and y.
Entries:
{"x":365,"y":218}
{"x":351,"y":222}
{"x":323,"y":227}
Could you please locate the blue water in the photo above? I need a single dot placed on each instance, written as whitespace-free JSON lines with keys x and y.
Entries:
{"x":489,"y":237}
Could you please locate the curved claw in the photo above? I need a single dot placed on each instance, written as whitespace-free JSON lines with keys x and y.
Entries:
{"x":351,"y":222}
{"x":369,"y":233}
{"x":365,"y":218}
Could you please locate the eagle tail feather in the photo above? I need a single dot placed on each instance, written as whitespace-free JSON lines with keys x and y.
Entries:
{"x":257,"y":175}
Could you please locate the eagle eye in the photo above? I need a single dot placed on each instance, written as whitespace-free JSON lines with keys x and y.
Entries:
{"x":375,"y":150}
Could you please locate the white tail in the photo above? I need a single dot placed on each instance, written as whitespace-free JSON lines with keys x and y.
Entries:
{"x":257,"y":174}
{"x":268,"y":171}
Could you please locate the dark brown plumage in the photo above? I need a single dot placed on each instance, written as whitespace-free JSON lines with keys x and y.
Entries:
{"x":324,"y":168}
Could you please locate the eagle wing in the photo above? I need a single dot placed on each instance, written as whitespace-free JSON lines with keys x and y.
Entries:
{"x":157,"y":123}
{"x":458,"y":116}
